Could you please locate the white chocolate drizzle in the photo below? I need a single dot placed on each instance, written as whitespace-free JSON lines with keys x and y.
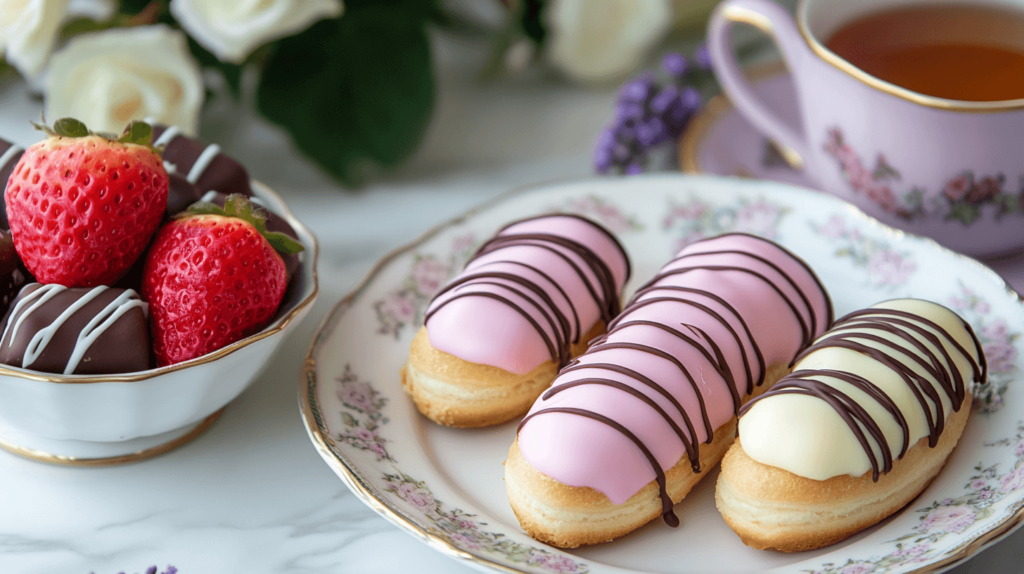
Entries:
{"x":202,"y":162}
{"x":92,"y":331}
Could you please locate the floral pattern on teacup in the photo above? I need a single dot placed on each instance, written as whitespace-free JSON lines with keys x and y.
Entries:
{"x":885,"y":266}
{"x":696,"y":219}
{"x":961,"y":199}
{"x":998,"y":341}
{"x":363,"y":415}
{"x":460,"y":528}
{"x":949,"y":517}
{"x":405,"y":305}
{"x":602,"y":211}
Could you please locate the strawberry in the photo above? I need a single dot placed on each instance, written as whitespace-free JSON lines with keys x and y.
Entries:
{"x":213,"y":277}
{"x":83,"y":206}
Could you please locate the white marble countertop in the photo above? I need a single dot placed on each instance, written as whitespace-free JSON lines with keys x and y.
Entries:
{"x":252,"y":495}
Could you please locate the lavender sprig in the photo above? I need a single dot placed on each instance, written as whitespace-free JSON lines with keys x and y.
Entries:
{"x":650,"y":113}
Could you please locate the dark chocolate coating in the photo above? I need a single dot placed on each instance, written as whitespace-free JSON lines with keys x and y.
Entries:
{"x":5,"y":174}
{"x":122,"y":348}
{"x":180,"y":194}
{"x":13,"y":274}
{"x":276,"y":224}
{"x":223,"y":174}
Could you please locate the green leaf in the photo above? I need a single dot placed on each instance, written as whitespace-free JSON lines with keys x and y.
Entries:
{"x":70,"y":128}
{"x":139,"y":133}
{"x":356,"y":92}
{"x":282,"y":243}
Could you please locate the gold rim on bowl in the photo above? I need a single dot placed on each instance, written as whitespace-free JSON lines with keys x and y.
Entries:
{"x":67,"y":460}
{"x":278,"y":326}
{"x":346,"y":470}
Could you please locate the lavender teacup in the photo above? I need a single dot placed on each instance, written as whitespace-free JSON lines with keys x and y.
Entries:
{"x":946,"y":168}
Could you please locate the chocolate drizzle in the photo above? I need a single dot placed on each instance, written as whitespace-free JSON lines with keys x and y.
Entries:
{"x":861,"y":332}
{"x":710,"y":307}
{"x":555,"y":327}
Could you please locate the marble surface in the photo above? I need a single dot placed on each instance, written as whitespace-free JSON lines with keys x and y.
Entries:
{"x":252,"y":495}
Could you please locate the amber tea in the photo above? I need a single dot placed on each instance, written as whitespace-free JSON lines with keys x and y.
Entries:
{"x":958,"y":52}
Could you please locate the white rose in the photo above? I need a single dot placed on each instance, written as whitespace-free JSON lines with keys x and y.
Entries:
{"x":106,"y":79}
{"x":28,"y":30}
{"x":595,"y":40}
{"x":232,"y":29}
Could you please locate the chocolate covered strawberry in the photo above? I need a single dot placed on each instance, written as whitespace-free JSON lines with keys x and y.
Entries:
{"x":213,"y":276}
{"x":83,"y":206}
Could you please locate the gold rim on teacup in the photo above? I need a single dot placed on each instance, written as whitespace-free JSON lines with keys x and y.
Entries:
{"x":279,"y":325}
{"x":842,"y":65}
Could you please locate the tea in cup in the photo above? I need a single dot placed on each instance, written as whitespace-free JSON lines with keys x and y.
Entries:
{"x":913,"y":111}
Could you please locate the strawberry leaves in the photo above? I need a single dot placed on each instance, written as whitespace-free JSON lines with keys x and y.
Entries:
{"x":239,"y":207}
{"x":139,"y":133}
{"x":136,"y":132}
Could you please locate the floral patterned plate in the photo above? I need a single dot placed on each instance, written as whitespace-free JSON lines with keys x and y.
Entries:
{"x":445,"y":485}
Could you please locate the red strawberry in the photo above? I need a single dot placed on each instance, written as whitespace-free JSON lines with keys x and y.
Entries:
{"x":82,"y":207}
{"x":213,"y":277}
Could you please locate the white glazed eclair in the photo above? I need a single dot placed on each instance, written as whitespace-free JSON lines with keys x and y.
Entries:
{"x":860,"y":427}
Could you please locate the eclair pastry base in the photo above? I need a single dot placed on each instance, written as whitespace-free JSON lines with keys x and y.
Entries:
{"x":771,"y":508}
{"x":457,"y":393}
{"x":568,"y":516}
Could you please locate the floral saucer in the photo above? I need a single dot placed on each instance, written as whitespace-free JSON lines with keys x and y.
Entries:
{"x":720,"y":141}
{"x":445,"y":485}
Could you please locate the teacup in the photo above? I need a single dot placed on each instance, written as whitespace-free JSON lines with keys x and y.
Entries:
{"x":949,"y":169}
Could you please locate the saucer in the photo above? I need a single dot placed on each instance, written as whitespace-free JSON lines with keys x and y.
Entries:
{"x":720,"y":141}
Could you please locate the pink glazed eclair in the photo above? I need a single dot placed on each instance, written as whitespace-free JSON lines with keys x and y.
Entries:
{"x":529,"y":301}
{"x":629,"y":427}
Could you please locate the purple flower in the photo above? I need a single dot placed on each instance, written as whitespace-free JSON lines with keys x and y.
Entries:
{"x":978,"y":484}
{"x":378,"y":449}
{"x":638,"y":89}
{"x":958,"y":303}
{"x":985,"y":494}
{"x":399,"y":306}
{"x":1000,"y":356}
{"x":1019,"y":451}
{"x":982,"y":307}
{"x":958,"y":187}
{"x":418,"y":497}
{"x":947,"y":519}
{"x":858,"y":568}
{"x":834,"y":228}
{"x":428,"y":275}
{"x":757,"y":218}
{"x":664,"y":99}
{"x":675,"y":64}
{"x":552,"y":562}
{"x":366,"y":435}
{"x":996,"y":330}
{"x":890,"y":268}
{"x":464,"y":542}
{"x":912,"y":552}
{"x":703,"y":57}
{"x":651,"y":133}
{"x":358,"y":395}
{"x":1012,"y":481}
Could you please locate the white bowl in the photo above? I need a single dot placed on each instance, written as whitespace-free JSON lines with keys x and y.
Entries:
{"x":110,"y":419}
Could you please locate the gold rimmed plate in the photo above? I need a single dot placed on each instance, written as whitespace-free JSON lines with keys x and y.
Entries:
{"x":445,"y":485}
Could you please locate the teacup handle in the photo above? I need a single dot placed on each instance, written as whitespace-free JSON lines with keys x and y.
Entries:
{"x":773,"y":20}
